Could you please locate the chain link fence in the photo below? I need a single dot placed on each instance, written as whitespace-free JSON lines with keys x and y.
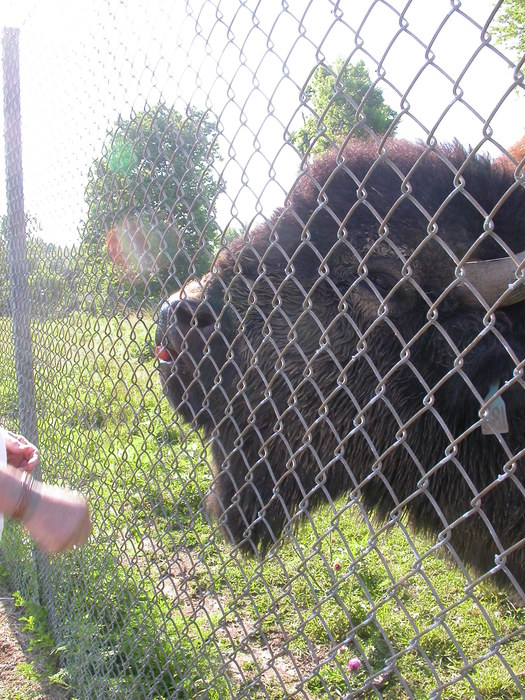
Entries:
{"x":305,"y":467}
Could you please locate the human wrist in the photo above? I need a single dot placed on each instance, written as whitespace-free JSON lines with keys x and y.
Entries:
{"x":24,"y":498}
{"x":34,"y":503}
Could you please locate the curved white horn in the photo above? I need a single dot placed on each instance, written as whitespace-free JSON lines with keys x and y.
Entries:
{"x":491,"y":278}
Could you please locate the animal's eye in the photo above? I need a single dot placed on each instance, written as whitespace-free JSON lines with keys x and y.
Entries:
{"x":383,"y":283}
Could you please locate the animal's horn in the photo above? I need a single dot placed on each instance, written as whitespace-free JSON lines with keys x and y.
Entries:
{"x":491,"y":279}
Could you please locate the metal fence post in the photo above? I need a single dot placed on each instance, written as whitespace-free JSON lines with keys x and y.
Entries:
{"x":18,"y":269}
{"x":16,"y":238}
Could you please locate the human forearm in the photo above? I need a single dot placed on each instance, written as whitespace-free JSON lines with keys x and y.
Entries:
{"x":55,"y":517}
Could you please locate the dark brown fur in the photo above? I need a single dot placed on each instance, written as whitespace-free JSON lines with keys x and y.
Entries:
{"x":312,"y":359}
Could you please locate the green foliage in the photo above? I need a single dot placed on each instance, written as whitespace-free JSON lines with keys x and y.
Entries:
{"x":343,"y":103}
{"x":44,"y":665}
{"x":510,"y":26}
{"x":36,"y":622}
{"x":50,"y":269}
{"x":53,"y":283}
{"x":152,"y":195}
{"x":125,"y":638}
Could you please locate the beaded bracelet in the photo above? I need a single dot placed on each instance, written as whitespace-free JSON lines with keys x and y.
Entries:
{"x":23,"y":501}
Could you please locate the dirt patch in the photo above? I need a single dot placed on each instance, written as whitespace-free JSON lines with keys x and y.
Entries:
{"x":261,"y":658}
{"x":20,"y":669}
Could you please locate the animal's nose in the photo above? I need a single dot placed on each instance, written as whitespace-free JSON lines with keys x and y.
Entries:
{"x":177,"y":316}
{"x":183,"y":312}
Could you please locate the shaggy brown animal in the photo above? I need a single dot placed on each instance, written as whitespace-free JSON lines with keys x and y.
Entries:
{"x":354,"y":343}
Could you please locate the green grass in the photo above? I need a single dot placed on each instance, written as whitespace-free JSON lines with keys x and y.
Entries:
{"x":40,"y":670}
{"x":159,"y":601}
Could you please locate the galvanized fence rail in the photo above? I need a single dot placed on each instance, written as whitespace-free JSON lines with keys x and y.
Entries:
{"x":305,"y":468}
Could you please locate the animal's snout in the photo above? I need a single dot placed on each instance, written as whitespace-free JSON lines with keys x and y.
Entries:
{"x":189,"y":313}
{"x":177,"y":312}
{"x":178,"y":315}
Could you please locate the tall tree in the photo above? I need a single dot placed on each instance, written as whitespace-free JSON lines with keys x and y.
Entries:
{"x":335,"y":95}
{"x":510,"y":26}
{"x":152,"y":193}
{"x":52,"y":277}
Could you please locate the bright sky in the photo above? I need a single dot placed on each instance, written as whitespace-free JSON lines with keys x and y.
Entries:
{"x":85,"y":62}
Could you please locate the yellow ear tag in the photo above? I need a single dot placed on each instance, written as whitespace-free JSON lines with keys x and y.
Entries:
{"x":495,"y":419}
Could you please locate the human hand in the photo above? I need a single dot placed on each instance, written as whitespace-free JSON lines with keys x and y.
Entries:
{"x":56,"y":518}
{"x":20,"y":452}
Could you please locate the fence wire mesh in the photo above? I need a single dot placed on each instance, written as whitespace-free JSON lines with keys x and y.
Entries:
{"x":247,"y":308}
